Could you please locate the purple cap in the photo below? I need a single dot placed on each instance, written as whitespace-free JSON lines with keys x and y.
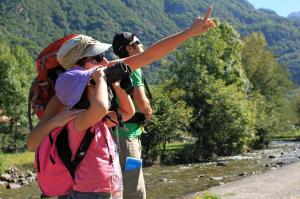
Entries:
{"x":70,"y":85}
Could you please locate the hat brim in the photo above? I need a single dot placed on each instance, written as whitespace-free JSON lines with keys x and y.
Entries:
{"x":96,"y":49}
{"x":70,"y":85}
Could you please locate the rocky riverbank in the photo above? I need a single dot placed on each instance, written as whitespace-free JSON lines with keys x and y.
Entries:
{"x":14,"y":178}
{"x":168,"y":182}
{"x":183,"y":180}
{"x":282,"y":183}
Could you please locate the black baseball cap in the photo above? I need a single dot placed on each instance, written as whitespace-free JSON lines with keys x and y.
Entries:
{"x":121,"y":40}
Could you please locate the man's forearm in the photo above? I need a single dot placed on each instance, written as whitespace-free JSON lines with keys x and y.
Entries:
{"x":146,"y":110}
{"x":157,"y":50}
{"x":167,"y":44}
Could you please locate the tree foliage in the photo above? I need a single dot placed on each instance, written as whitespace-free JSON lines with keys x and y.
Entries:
{"x":270,"y":82}
{"x":43,"y":21}
{"x":209,"y":69}
{"x":170,"y":120}
{"x":295,"y":99}
{"x":266,"y":75}
{"x":16,"y":74}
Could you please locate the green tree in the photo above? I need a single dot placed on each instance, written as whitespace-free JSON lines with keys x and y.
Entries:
{"x":266,"y":75}
{"x":16,"y":74}
{"x":170,"y":120}
{"x":43,"y":21}
{"x":295,"y":101}
{"x":271,"y":83}
{"x":208,"y":68}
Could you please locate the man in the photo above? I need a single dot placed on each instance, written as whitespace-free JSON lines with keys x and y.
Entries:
{"x":125,"y":45}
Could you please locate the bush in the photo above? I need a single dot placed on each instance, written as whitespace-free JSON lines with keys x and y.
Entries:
{"x":171,"y":117}
{"x":18,"y":159}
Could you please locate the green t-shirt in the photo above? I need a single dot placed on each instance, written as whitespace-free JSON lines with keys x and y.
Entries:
{"x":134,"y":130}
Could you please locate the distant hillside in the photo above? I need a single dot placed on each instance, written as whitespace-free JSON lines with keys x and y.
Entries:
{"x":294,"y":15}
{"x":282,"y":34}
{"x":42,"y":21}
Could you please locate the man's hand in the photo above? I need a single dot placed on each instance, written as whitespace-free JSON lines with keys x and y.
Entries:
{"x":202,"y":25}
{"x":142,"y":102}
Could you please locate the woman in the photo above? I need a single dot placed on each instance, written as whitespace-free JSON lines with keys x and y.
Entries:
{"x":99,"y":173}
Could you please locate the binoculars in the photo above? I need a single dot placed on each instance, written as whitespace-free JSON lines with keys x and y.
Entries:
{"x":119,"y":72}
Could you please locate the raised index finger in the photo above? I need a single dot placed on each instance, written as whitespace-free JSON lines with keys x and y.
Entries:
{"x":208,"y":13}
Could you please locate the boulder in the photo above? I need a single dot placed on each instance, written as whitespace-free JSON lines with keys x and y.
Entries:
{"x":13,"y":186}
{"x":6,"y":177}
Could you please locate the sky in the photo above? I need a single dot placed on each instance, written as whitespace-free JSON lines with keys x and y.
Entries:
{"x":281,"y":7}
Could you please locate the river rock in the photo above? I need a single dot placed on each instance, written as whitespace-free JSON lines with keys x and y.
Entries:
{"x":13,"y":171}
{"x":31,"y":179}
{"x":296,"y":148}
{"x":6,"y":177}
{"x":21,"y":179}
{"x":23,"y":182}
{"x":201,"y":175}
{"x":163,"y":179}
{"x":21,"y":175}
{"x":30,"y":174}
{"x":217,"y":178}
{"x":280,"y":163}
{"x":243,"y":174}
{"x":3,"y":183}
{"x":13,"y":186}
{"x":184,"y":167}
{"x":222,"y":164}
{"x":272,"y":156}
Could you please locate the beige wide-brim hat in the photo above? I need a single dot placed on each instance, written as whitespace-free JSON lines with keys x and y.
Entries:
{"x":79,"y":47}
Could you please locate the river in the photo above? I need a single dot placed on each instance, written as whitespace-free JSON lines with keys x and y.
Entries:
{"x":168,"y":182}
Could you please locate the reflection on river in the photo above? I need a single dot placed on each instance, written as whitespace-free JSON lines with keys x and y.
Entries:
{"x":166,"y":182}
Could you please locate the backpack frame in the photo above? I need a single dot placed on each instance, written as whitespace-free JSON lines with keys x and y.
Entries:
{"x":42,"y":87}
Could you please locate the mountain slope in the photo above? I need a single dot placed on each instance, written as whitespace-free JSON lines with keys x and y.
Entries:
{"x":282,"y":34}
{"x":294,"y":15}
{"x":42,"y":21}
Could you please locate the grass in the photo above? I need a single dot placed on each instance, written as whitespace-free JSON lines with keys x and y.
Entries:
{"x":18,"y":159}
{"x":207,"y":196}
{"x":176,"y":145}
{"x":291,"y":135}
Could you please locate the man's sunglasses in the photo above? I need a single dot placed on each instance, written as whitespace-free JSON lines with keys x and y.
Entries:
{"x":99,"y":58}
{"x":136,"y":43}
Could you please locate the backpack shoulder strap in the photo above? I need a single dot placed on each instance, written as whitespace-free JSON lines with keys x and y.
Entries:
{"x":115,"y":107}
{"x":147,"y":88}
{"x":65,"y":153}
{"x":83,"y":147}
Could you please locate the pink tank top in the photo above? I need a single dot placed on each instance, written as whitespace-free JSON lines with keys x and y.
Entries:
{"x":100,"y":170}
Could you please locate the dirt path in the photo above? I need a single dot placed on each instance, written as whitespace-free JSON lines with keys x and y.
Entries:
{"x":282,"y":183}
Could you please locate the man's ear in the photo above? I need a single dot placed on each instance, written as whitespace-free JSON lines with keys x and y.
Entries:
{"x":128,"y":48}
